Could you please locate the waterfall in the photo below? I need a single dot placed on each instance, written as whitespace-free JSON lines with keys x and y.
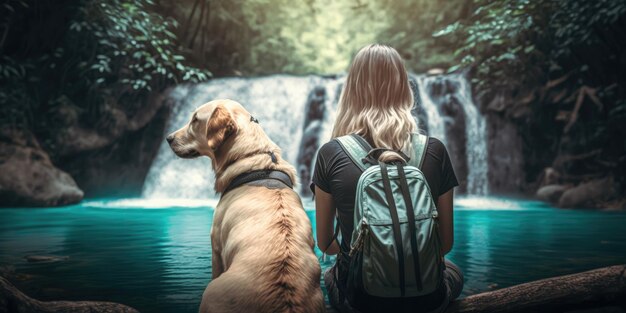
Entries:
{"x":436,"y":127}
{"x":280,"y":103}
{"x":276,"y":101}
{"x":441,"y":97}
{"x":476,"y":139}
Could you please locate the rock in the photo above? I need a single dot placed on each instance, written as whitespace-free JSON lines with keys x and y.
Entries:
{"x":45,"y":258}
{"x":314,"y":113}
{"x":14,"y":301}
{"x":118,"y":170}
{"x":550,"y":193}
{"x":505,"y":157}
{"x":114,"y":123}
{"x":586,"y":194}
{"x":28,"y":176}
{"x":549,"y":176}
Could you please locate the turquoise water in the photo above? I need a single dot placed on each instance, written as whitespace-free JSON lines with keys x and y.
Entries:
{"x":156,"y":255}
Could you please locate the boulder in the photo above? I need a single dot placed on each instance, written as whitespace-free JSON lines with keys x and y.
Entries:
{"x":551,"y":193}
{"x":28,"y":176}
{"x":586,"y":194}
{"x":14,"y":301}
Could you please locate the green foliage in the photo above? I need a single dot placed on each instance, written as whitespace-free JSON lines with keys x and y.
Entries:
{"x":520,"y":41}
{"x":410,"y":30}
{"x":256,"y":37}
{"x":567,"y":57}
{"x":133,"y":45}
{"x":107,"y":50}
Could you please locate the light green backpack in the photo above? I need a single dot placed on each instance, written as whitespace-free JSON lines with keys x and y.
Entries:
{"x":395,"y":245}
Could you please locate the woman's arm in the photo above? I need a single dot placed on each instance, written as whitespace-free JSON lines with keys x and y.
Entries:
{"x":324,"y":219}
{"x":446,"y":230}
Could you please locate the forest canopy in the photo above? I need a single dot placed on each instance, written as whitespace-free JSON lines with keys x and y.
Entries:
{"x":86,"y":54}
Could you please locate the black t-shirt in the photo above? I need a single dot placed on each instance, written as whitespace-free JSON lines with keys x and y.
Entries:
{"x":336,"y":174}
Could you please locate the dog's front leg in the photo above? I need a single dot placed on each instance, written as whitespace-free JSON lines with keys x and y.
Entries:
{"x":216,"y":256}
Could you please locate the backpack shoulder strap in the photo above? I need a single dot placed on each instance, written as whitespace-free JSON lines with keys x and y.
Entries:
{"x":356,"y":148}
{"x":419,"y":142}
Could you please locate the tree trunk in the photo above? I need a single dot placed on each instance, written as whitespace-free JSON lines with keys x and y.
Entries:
{"x":195,"y":33}
{"x":600,"y":290}
{"x":595,"y":289}
{"x":188,"y":22}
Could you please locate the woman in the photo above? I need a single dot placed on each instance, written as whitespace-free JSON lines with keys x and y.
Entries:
{"x":375,"y":103}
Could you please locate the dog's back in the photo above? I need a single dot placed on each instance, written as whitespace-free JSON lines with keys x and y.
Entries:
{"x":267,"y":248}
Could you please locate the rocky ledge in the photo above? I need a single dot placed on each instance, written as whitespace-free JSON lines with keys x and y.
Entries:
{"x":28,"y":176}
{"x":58,"y":166}
{"x":600,"y":193}
{"x":14,"y":301}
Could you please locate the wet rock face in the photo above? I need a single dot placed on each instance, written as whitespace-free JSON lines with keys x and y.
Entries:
{"x":120,"y":167}
{"x":115,"y":164}
{"x":28,"y":176}
{"x":312,"y":128}
{"x":505,"y":158}
{"x":454,"y":121}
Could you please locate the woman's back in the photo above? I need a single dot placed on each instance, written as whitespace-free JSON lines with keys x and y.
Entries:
{"x":336,"y":174}
{"x":376,"y":103}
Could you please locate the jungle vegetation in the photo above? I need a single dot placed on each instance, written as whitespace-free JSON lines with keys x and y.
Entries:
{"x":65,"y":62}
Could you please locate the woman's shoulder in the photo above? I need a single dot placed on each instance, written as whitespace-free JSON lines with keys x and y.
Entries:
{"x":436,"y":146}
{"x":332,"y":146}
{"x":329,"y":150}
{"x":434,"y":142}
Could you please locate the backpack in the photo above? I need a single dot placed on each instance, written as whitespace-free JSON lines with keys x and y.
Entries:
{"x":395,"y":249}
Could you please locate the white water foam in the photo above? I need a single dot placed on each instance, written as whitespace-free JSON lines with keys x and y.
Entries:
{"x":153,"y":203}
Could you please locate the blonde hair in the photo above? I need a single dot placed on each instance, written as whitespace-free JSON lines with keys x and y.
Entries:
{"x":376,"y":101}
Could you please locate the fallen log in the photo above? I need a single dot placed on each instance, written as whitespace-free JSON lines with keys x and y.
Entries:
{"x":603,"y":289}
{"x":14,"y":301}
{"x":600,"y":290}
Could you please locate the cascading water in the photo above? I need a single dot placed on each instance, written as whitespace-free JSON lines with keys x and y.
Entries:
{"x":436,"y":126}
{"x":441,"y":97}
{"x":276,"y":101}
{"x":476,"y":139}
{"x":281,"y":102}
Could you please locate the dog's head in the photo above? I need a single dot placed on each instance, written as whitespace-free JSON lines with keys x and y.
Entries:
{"x":208,"y":130}
{"x":225,"y":132}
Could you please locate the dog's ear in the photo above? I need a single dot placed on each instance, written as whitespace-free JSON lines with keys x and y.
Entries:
{"x":219,"y":127}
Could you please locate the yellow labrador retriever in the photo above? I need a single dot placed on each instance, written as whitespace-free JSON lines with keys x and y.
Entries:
{"x":263,"y":259}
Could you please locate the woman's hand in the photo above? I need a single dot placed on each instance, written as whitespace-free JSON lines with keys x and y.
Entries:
{"x":324,"y":219}
{"x":446,"y":230}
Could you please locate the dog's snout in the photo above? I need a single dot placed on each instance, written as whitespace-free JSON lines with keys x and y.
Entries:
{"x":170,"y":138}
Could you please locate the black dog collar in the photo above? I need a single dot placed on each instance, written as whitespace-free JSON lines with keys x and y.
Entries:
{"x":249,"y":177}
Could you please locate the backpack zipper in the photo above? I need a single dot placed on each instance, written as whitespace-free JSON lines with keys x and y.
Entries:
{"x":358,"y":243}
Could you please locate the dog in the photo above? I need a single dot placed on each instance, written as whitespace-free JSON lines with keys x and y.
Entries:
{"x":262,"y":241}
